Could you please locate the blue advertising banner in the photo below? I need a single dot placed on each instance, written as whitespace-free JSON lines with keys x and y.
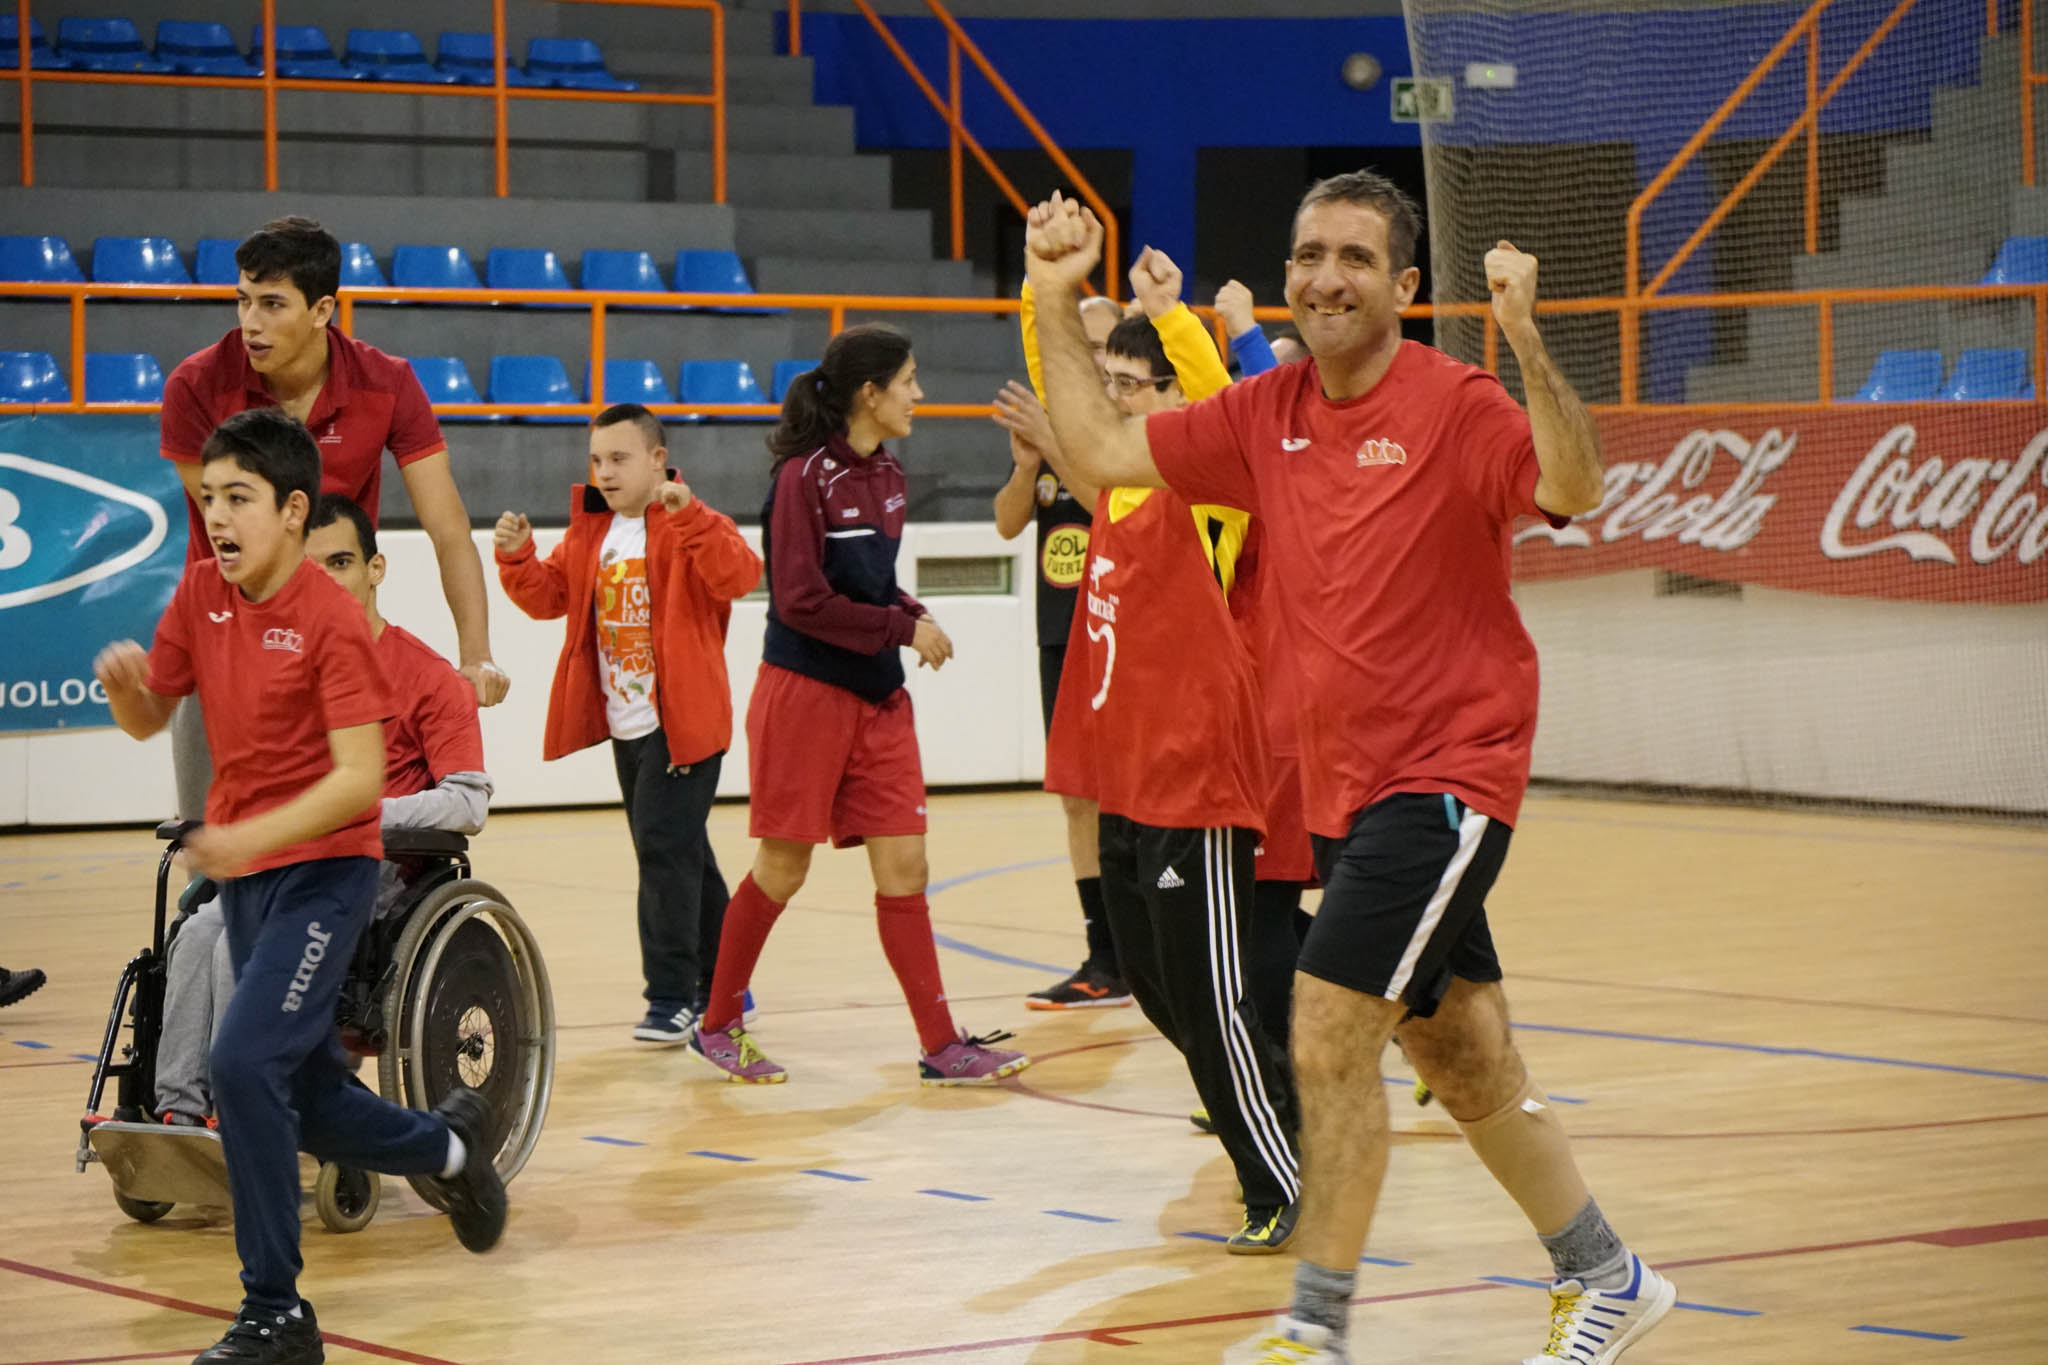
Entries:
{"x":92,"y":543}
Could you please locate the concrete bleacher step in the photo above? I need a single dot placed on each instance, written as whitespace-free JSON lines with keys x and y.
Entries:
{"x":748,"y":80}
{"x":828,"y":275}
{"x":884,"y":235}
{"x":789,"y":181}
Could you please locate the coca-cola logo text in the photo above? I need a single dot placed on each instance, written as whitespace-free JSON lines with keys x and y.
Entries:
{"x":1915,"y":500}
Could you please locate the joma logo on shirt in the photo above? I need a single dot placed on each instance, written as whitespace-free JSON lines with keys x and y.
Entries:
{"x":309,"y":962}
{"x":285,"y":638}
{"x":1381,"y":452}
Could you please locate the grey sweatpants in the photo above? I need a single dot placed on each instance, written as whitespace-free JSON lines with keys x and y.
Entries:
{"x":199,"y":979}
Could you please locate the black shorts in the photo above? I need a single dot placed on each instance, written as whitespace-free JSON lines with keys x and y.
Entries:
{"x":1052,"y":661}
{"x":1404,"y":900}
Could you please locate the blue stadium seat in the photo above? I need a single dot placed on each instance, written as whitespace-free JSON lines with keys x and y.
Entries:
{"x":719,"y":381}
{"x":195,"y":48}
{"x":391,"y":54}
{"x":524,"y":268}
{"x":137,"y":260}
{"x":1902,"y":377}
{"x":471,"y":58}
{"x":105,"y":45}
{"x":573,"y":64}
{"x":633,"y":381}
{"x":433,"y":267}
{"x":785,"y":374}
{"x":1983,"y":373}
{"x":123,"y":377}
{"x":40,"y":57}
{"x":303,"y":54}
{"x":32,"y":377}
{"x":38,"y":260}
{"x":359,"y":267}
{"x":2021,"y":260}
{"x":446,"y":380}
{"x":213,"y":261}
{"x":605,"y":269}
{"x":531,"y":379}
{"x":715,"y":272}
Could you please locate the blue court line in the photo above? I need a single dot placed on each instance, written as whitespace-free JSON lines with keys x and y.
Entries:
{"x":49,"y":876}
{"x":86,"y":1056}
{"x":1516,"y":1279}
{"x":1383,"y":1260}
{"x":1204,"y":1236}
{"x":39,"y":1047}
{"x":1817,"y":1054}
{"x":1695,"y":1307}
{"x":948,"y":883}
{"x":990,"y":954}
{"x":1902,"y":1332}
{"x":721,"y":1156}
{"x":1079,"y":1217}
{"x":836,"y":1175}
{"x":612,"y":1141}
{"x":955,"y":1194}
{"x":9,"y":886}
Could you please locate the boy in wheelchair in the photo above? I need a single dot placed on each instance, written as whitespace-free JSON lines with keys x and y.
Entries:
{"x":284,"y":657}
{"x":434,"y":779}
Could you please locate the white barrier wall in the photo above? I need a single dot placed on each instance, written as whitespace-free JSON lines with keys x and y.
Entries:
{"x":1770,"y":691}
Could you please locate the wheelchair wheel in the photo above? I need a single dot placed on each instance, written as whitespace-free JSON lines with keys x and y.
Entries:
{"x":346,"y":1197}
{"x":141,"y":1210}
{"x":469,"y":1005}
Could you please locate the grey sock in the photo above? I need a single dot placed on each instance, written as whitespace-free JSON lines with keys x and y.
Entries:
{"x":1323,"y":1297}
{"x":1588,"y":1250}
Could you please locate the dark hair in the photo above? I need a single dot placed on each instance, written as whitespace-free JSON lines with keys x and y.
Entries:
{"x":271,"y":445}
{"x":820,"y":401}
{"x":1374,"y":191}
{"x":1137,"y":339}
{"x":294,"y":248}
{"x":650,"y":425}
{"x":329,"y":508}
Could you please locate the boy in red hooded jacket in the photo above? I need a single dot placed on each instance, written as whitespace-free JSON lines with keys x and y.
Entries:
{"x":646,"y":577}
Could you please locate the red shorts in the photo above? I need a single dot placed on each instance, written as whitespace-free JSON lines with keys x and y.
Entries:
{"x":825,"y":766}
{"x":1285,"y":854}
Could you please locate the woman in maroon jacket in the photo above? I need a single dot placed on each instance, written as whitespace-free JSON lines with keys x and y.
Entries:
{"x":832,"y":748}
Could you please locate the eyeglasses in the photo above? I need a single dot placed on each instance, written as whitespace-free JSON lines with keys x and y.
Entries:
{"x":1130,"y":383}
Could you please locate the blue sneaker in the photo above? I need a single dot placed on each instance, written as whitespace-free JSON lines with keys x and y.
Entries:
{"x":747,"y":1011}
{"x":667,"y":1025}
{"x":1594,"y":1326}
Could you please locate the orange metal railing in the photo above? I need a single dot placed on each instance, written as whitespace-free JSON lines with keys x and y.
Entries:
{"x":1808,"y":122}
{"x":1823,"y":302}
{"x":948,"y":108}
{"x":269,"y":83}
{"x":2030,"y":81}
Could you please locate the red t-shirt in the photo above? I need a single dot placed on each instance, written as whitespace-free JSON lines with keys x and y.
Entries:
{"x":435,"y":731}
{"x":275,"y":677}
{"x":371,"y":402}
{"x":1388,"y":520}
{"x":1160,"y":718}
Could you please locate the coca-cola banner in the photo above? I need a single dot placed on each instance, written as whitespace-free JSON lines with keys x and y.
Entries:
{"x":1942,"y":502}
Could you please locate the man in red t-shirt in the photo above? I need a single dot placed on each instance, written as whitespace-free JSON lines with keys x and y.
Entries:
{"x":1388,"y":478}
{"x":284,"y":656}
{"x":357,"y":401}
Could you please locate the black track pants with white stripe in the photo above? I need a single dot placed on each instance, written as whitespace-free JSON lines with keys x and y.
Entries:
{"x":1181,"y":903}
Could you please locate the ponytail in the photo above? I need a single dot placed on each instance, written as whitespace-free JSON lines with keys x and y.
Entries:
{"x":819,"y":401}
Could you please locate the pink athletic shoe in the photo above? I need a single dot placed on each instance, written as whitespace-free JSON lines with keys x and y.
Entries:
{"x":970,"y":1061}
{"x":735,"y":1053}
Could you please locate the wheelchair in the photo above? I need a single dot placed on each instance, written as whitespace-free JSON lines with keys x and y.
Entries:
{"x":447,"y":988}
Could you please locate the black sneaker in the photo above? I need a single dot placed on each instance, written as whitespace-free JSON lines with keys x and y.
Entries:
{"x":666,"y":1024}
{"x":20,"y":985}
{"x":1265,"y":1231}
{"x":473,"y":1196}
{"x":264,"y":1336}
{"x":1088,"y":988}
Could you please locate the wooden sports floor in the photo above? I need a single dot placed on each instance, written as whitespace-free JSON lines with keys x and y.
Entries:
{"x":1805,"y":1058}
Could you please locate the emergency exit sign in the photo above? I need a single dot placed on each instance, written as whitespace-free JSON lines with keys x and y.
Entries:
{"x":1422,"y":99}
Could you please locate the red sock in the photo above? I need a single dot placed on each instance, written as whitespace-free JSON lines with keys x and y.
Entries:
{"x":748,"y":919}
{"x":905,"y":923}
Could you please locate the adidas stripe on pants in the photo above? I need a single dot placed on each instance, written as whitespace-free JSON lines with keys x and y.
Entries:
{"x":1180,"y":905}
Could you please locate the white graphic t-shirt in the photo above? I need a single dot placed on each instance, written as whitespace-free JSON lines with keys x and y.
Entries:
{"x":625,"y":632}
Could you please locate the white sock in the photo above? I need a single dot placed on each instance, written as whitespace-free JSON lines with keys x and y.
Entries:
{"x":457,"y":1154}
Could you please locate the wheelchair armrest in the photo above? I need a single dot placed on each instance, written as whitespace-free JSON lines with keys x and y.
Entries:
{"x":424,"y":843}
{"x":171,"y":831}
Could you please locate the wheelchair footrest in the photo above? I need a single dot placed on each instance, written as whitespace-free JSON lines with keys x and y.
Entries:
{"x":162,"y":1164}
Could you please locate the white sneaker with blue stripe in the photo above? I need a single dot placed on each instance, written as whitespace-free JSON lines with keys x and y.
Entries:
{"x":1290,"y":1342}
{"x":1594,"y":1326}
{"x":665,"y":1026}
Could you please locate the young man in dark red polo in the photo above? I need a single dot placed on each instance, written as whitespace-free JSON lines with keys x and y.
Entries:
{"x":283,"y":656}
{"x":357,"y":401}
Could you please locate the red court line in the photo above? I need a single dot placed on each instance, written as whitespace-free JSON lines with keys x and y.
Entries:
{"x":201,"y":1310}
{"x":1946,"y":1237}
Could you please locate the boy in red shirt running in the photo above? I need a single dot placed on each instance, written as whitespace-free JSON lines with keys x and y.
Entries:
{"x":277,"y":646}
{"x":646,"y":577}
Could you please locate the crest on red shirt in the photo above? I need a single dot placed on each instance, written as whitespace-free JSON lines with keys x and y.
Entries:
{"x":285,"y":638}
{"x":1381,"y":452}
